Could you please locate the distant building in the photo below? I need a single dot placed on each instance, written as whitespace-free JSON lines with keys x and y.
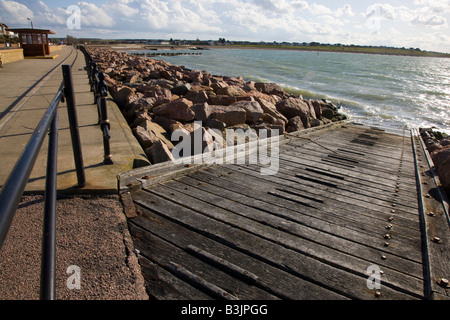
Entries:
{"x":159,"y":42}
{"x":4,"y":30}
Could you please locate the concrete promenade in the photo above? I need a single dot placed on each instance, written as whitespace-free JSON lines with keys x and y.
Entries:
{"x":92,"y":229}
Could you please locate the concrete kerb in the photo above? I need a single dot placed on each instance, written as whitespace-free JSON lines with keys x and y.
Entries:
{"x":140,"y":159}
{"x":122,"y":138}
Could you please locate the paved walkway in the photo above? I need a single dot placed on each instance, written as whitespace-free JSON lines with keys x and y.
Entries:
{"x":92,"y":231}
{"x":29,"y":89}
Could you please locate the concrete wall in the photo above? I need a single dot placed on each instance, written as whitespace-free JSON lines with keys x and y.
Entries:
{"x":11,"y":55}
{"x":55,"y":49}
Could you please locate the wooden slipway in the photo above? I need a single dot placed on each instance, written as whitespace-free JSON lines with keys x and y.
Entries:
{"x":354,"y":212}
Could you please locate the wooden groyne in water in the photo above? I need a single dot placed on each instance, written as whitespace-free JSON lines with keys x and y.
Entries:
{"x":165,"y":54}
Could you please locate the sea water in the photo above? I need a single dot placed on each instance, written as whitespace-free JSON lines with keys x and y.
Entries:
{"x":381,"y":90}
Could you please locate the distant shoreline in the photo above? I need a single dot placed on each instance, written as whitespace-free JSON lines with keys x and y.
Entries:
{"x":360,"y":50}
{"x":337,"y":49}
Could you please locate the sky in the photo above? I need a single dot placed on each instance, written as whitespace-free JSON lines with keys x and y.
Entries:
{"x":416,"y":23}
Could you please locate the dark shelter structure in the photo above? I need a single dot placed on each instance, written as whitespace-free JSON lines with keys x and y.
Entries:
{"x":34,"y":42}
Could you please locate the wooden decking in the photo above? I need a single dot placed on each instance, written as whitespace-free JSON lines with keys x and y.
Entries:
{"x":344,"y":202}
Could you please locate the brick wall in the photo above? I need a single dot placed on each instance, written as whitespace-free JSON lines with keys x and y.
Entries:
{"x":11,"y":55}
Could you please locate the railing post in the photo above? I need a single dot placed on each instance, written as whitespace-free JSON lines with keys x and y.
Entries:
{"x":48,"y":269}
{"x":73,"y":122}
{"x":104,"y":124}
{"x":94,"y":79}
{"x":98,"y":86}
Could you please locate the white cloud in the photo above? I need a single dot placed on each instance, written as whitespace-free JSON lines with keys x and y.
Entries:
{"x":429,"y":20}
{"x":345,"y":11}
{"x":425,"y":15}
{"x":45,"y":16}
{"x":14,"y":12}
{"x":121,"y":8}
{"x":381,"y":11}
{"x":93,"y":16}
{"x":318,"y":9}
{"x":438,"y":6}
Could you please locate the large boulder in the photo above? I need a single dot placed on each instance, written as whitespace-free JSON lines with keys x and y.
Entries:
{"x":270,"y":130}
{"x":140,"y":118}
{"x":161,"y":95}
{"x":215,"y":124}
{"x":219,"y":84}
{"x":441,"y":159}
{"x":252,"y":108}
{"x":197,"y":96}
{"x":133,"y":77}
{"x":168,"y":124}
{"x":295,"y":124}
{"x":159,"y":152}
{"x":201,"y":140}
{"x":153,"y":129}
{"x":293,"y":107}
{"x":228,"y":114}
{"x":145,"y":137}
{"x":233,"y":91}
{"x":269,"y":88}
{"x":202,"y":111}
{"x":196,"y":76}
{"x":270,"y":120}
{"x":270,"y":109}
{"x":124,"y":96}
{"x":179,"y":110}
{"x":136,"y":107}
{"x":221,"y":100}
{"x":181,"y":89}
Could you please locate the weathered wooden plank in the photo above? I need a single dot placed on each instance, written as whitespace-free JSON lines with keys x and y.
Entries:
{"x":309,"y":228}
{"x":163,"y":253}
{"x":332,"y":249}
{"x":258,"y":187}
{"x":200,"y":282}
{"x":337,"y":147}
{"x":162,"y":285}
{"x":392,"y":152}
{"x":354,"y":191}
{"x":344,"y":282}
{"x":345,"y":172}
{"x":271,"y":278}
{"x":372,"y":172}
{"x":153,"y":174}
{"x":350,"y":183}
{"x":223,"y":264}
{"x":370,"y":176}
{"x":291,"y":174}
{"x":336,"y":200}
{"x":388,"y":150}
{"x":353,"y":184}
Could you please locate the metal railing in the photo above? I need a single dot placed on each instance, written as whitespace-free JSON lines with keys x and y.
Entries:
{"x":100,"y":90}
{"x":14,"y":187}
